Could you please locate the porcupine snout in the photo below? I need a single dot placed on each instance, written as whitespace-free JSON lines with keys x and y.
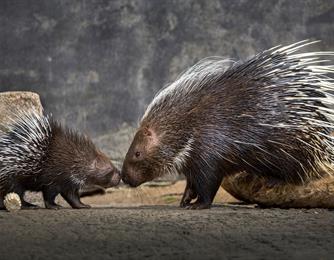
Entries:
{"x":114,"y":176}
{"x":104,"y":173}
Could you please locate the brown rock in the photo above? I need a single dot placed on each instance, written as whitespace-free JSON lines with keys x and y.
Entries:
{"x":317,"y":193}
{"x":12,"y":102}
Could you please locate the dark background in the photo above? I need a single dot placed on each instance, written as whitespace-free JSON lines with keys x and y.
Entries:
{"x":97,"y":64}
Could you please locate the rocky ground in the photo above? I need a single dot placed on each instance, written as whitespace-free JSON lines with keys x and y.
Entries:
{"x":112,"y":229}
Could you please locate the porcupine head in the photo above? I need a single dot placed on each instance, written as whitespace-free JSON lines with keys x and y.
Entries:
{"x":142,"y":163}
{"x":270,"y":115}
{"x":80,"y":157}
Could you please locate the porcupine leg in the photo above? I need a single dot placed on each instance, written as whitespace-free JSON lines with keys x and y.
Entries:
{"x":49,"y":196}
{"x":72,"y":197}
{"x":2,"y":206}
{"x":206,"y":186}
{"x":188,"y":195}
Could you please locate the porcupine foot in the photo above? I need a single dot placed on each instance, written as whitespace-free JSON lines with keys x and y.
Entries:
{"x":203,"y":202}
{"x":73,"y":198}
{"x":188,"y":195}
{"x":49,"y":199}
{"x":199,"y":205}
{"x":52,"y":205}
{"x":205,"y":191}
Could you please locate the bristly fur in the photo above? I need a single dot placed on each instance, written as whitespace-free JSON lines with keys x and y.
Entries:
{"x":23,"y":148}
{"x":38,"y":154}
{"x":271,"y":115}
{"x":277,"y":90}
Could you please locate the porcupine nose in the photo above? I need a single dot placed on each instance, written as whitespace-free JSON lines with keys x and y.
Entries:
{"x":127,"y":179}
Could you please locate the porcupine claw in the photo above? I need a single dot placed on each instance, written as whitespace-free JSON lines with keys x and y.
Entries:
{"x":188,"y":195}
{"x":73,"y":199}
{"x":52,"y":206}
{"x":198,"y":205}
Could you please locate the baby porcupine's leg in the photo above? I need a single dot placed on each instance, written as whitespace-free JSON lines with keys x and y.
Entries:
{"x":72,"y":197}
{"x":49,"y":196}
{"x":188,"y":195}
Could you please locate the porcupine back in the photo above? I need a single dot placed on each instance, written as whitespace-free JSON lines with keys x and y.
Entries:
{"x":270,"y":115}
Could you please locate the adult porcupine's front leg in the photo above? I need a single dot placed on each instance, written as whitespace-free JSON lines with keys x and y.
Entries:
{"x":206,"y":185}
{"x":188,"y":195}
{"x":72,"y":197}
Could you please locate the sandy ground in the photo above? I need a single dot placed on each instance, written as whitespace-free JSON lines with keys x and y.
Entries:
{"x":156,"y":193}
{"x":112,"y":230}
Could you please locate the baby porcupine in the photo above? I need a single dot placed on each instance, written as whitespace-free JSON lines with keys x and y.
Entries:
{"x":38,"y":154}
{"x":270,"y":115}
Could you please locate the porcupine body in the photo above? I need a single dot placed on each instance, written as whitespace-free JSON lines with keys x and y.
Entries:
{"x":270,"y":116}
{"x":38,"y":154}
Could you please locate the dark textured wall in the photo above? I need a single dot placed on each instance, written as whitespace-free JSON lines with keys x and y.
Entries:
{"x":97,"y":64}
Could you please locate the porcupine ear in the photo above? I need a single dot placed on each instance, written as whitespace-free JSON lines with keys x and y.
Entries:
{"x":147,"y":131}
{"x":101,"y":161}
{"x":151,"y":138}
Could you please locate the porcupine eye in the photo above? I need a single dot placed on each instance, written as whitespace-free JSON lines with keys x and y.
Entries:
{"x":137,"y":154}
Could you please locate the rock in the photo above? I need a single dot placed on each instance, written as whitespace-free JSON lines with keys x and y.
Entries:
{"x":11,"y":102}
{"x":314,"y":193}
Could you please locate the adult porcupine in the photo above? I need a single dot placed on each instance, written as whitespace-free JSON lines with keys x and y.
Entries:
{"x":38,"y":154}
{"x":268,"y":116}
